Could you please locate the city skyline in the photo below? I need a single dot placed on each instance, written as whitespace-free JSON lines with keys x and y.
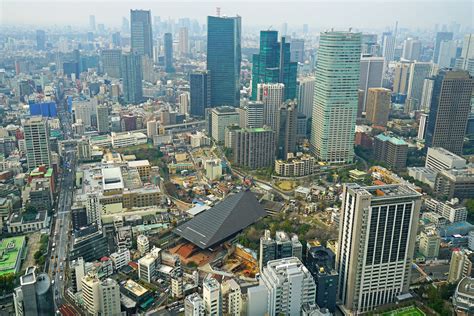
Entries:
{"x":364,"y":15}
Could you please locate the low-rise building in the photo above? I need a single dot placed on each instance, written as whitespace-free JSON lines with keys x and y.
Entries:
{"x":455,"y":183}
{"x":429,"y":243}
{"x":438,"y":158}
{"x":120,"y":258}
{"x":296,"y":167}
{"x":11,"y":254}
{"x":147,"y":265}
{"x":450,"y":210}
{"x":391,"y":150}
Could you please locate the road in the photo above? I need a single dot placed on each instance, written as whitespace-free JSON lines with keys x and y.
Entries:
{"x":60,"y":234}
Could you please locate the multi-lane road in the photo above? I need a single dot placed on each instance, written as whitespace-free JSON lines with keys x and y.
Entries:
{"x":61,"y":228}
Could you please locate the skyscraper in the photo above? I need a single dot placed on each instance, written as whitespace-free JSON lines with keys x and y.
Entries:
{"x":388,"y":46}
{"x":371,"y":71}
{"x":449,"y":111}
{"x":297,"y":50}
{"x":254,"y":147}
{"x":111,"y":62}
{"x":273,"y":64}
{"x":440,"y":37}
{"x":92,"y":22}
{"x":223,"y":59}
{"x":102,"y":119}
{"x":183,"y":41}
{"x":411,"y":49}
{"x":200,"y":92}
{"x":34,"y":296}
{"x":335,"y":97}
{"x":38,"y":151}
{"x":286,"y":133}
{"x":141,"y":33}
{"x":40,"y":39}
{"x":377,"y":235}
{"x":251,"y":115}
{"x":272,"y":96}
{"x":306,"y":96}
{"x":132,"y":78}
{"x":466,"y":61}
{"x":168,"y":45}
{"x":419,"y":71}
{"x":378,"y":106}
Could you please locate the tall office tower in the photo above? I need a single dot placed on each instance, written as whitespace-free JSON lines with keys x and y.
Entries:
{"x":111,"y":63}
{"x":286,"y":133}
{"x":335,"y":97}
{"x":125,"y":25}
{"x":211,"y":294}
{"x":34,"y":296}
{"x":92,"y":22}
{"x":306,"y":96}
{"x":284,"y":29}
{"x":466,"y":60}
{"x":440,"y":37}
{"x":131,"y":67}
{"x":272,"y":96}
{"x":168,"y":45}
{"x":371,"y":71}
{"x":419,"y":71}
{"x":103,"y":119}
{"x":377,"y":235}
{"x":100,"y":297}
{"x":141,"y":34}
{"x":447,"y":54}
{"x":378,"y":106}
{"x":200,"y":92}
{"x":289,"y":285}
{"x":273,"y":64}
{"x":116,"y":39}
{"x":38,"y":151}
{"x":223,"y":59}
{"x":297,"y":50}
{"x":411,"y":49}
{"x":254,"y":148}
{"x":449,"y":111}
{"x":194,"y":305}
{"x":401,"y":78}
{"x":251,"y":115}
{"x":183,"y":41}
{"x":427,"y":94}
{"x":184,"y":103}
{"x":388,"y":46}
{"x":40,"y":39}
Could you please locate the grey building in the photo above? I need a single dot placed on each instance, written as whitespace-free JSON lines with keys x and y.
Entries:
{"x":132,"y":78}
{"x":34,"y":296}
{"x":168,"y":46}
{"x":90,"y":243}
{"x":254,"y":147}
{"x":141,"y":33}
{"x":38,"y":151}
{"x":282,"y":246}
{"x":111,"y":64}
{"x":200,"y":93}
{"x":286,"y":134}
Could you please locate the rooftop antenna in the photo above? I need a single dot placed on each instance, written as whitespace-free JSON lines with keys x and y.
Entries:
{"x":218,"y":11}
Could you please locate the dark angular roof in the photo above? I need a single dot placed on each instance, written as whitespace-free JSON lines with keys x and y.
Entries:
{"x":226,"y":218}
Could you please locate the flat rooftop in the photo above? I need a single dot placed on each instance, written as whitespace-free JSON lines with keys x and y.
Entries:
{"x":10,"y":253}
{"x":135,"y":288}
{"x":112,"y":178}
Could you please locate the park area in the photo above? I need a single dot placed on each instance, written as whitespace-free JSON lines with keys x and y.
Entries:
{"x":406,"y":311}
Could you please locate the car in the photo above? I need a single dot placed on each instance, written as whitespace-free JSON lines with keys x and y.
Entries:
{"x":52,"y":282}
{"x":60,"y":277}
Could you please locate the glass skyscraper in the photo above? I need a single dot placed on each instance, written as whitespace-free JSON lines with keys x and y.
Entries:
{"x":141,"y":34}
{"x":168,"y":44}
{"x":200,"y":86}
{"x":336,"y":96}
{"x":132,"y":78}
{"x":273,"y":64}
{"x":223,"y":59}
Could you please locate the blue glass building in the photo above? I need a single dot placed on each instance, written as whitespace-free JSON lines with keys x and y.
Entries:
{"x":223,"y":59}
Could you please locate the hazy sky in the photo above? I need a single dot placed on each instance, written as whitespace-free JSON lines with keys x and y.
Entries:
{"x":316,"y":13}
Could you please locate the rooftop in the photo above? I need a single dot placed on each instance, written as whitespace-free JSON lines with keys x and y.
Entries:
{"x":135,"y":288}
{"x":10,"y":252}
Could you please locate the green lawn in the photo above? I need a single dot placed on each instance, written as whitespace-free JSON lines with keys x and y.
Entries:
{"x":407,"y":311}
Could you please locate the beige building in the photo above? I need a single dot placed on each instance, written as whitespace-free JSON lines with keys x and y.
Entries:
{"x":295,"y":167}
{"x":100,"y":297}
{"x":378,"y":106}
{"x":460,"y":265}
{"x":429,"y":243}
{"x":231,"y":298}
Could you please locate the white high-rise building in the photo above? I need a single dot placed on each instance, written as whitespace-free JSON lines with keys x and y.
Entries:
{"x":151,"y":128}
{"x":377,"y":235}
{"x":184,"y":103}
{"x":411,"y":49}
{"x":231,"y":298}
{"x":388,"y":47}
{"x":109,"y":298}
{"x":251,"y":115}
{"x":38,"y":151}
{"x":83,"y":110}
{"x":211,"y":293}
{"x":290,"y":286}
{"x":183,"y":44}
{"x":91,"y":293}
{"x":194,"y":305}
{"x":371,"y":71}
{"x":306,"y":96}
{"x":447,"y":54}
{"x":467,"y":54}
{"x":426,"y":95}
{"x":272,"y":95}
{"x":336,"y":96}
